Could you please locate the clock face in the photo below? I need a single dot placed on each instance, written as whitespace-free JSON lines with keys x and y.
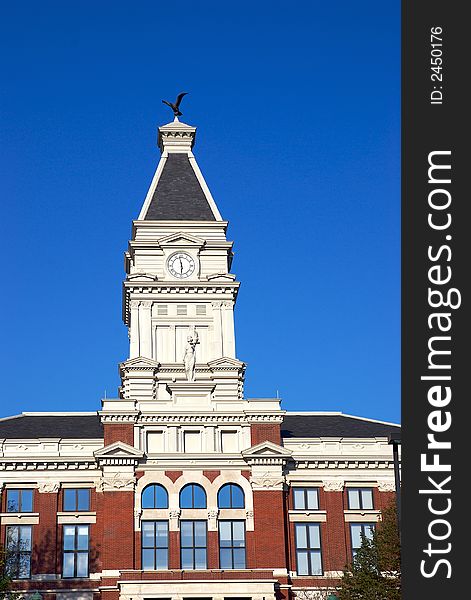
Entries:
{"x":181,"y":265}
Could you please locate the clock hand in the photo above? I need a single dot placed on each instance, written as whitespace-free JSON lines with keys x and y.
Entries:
{"x":181,"y":266}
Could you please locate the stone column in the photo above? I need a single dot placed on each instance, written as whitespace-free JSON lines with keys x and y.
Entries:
{"x":172,"y":345}
{"x":217,"y":330}
{"x":228,"y":336}
{"x":134,"y":329}
{"x":145,"y":329}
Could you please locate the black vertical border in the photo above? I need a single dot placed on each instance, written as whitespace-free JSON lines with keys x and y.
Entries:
{"x":427,"y":128}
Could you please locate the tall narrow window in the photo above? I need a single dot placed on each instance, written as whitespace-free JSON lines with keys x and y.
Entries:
{"x":193,"y":544}
{"x":230,"y":495}
{"x":19,"y":500}
{"x":306,"y":498}
{"x":76,"y":545}
{"x":359,"y":498}
{"x":231,"y":544}
{"x":154,"y":545}
{"x":18,"y":546}
{"x":76,"y":500}
{"x":308,"y":549}
{"x":155,"y":496}
{"x":357,"y":531}
{"x":192,"y":496}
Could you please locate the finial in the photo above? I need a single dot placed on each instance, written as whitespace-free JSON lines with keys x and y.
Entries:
{"x":176,"y":106}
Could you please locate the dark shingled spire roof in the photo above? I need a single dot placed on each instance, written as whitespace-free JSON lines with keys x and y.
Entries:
{"x":178,"y":195}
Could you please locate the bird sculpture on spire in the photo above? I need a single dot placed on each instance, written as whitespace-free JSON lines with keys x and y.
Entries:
{"x":176,"y":106}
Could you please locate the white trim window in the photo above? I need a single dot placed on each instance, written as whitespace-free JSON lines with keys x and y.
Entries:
{"x":75,"y":551}
{"x":357,"y":531}
{"x":306,"y":498}
{"x":19,"y":501}
{"x":76,"y":499}
{"x":232,"y":544}
{"x":193,"y":544}
{"x":154,"y":545}
{"x":308,"y":549}
{"x":18,"y":551}
{"x":360,"y":498}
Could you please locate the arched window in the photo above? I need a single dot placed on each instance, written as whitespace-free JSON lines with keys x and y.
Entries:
{"x":154,"y":496}
{"x":192,"y":496}
{"x":231,"y":496}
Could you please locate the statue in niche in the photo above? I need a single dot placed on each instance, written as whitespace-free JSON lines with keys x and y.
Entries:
{"x":189,"y":358}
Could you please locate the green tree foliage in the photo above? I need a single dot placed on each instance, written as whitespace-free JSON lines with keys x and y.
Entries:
{"x":4,"y":579}
{"x":375,"y":572}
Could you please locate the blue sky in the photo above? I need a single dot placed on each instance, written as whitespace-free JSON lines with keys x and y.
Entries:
{"x":297,"y":108}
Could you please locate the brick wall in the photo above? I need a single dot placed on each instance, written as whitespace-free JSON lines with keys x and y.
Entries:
{"x":333,"y":533}
{"x":265,"y":432}
{"x":45,"y":540}
{"x":270,"y":542}
{"x":118,"y":432}
{"x":118,"y":530}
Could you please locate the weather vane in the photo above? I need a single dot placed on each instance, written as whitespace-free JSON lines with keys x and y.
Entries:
{"x":176,"y":107}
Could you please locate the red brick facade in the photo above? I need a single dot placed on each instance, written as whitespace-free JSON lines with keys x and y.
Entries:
{"x":115,"y":544}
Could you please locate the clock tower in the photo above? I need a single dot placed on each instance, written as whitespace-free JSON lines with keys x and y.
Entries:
{"x":179,"y":294}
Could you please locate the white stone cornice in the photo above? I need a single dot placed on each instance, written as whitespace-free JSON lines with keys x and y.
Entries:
{"x":112,"y":417}
{"x":187,"y":287}
{"x":213,"y":418}
{"x":64,"y":463}
{"x":336,"y":463}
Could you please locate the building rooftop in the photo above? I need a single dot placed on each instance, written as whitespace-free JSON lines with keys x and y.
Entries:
{"x":178,"y":195}
{"x":52,"y":425}
{"x":306,"y":425}
{"x":88,"y":426}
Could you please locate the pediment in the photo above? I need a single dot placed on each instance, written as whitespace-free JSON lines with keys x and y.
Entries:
{"x":226,"y":361}
{"x":181,"y":239}
{"x":118,"y":450}
{"x":220,"y":277}
{"x":266,"y":449}
{"x":140,"y":362}
{"x":141,"y":277}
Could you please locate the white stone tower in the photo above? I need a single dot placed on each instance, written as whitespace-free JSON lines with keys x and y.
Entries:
{"x":179,"y":296}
